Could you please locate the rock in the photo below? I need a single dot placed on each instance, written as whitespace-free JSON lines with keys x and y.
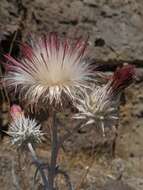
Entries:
{"x":118,"y":167}
{"x":136,"y":182}
{"x":116,"y":185}
{"x":9,"y":19}
{"x":118,"y":23}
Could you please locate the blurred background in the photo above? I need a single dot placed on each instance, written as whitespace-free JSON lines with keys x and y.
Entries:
{"x":114,"y":29}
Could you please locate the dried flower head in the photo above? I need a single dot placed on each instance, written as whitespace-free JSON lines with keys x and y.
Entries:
{"x":49,"y":69}
{"x":97,"y":107}
{"x":100,"y":104}
{"x":24,"y":130}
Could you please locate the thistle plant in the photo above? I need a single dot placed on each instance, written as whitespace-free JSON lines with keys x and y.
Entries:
{"x":53,"y":71}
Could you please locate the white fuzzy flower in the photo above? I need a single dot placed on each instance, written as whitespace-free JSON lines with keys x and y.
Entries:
{"x":24,"y":130}
{"x":49,"y":70}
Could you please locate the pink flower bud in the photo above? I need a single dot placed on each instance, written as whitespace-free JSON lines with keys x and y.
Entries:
{"x":15,"y":111}
{"x":122,"y":78}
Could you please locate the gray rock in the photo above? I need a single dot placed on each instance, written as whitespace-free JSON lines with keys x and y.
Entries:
{"x":116,"y":185}
{"x":118,"y":23}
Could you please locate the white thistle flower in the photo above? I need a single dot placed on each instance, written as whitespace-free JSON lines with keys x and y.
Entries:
{"x":49,"y":70}
{"x":24,"y":130}
{"x":97,"y":106}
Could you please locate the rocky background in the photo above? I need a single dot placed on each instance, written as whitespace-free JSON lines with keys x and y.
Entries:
{"x":115,"y":32}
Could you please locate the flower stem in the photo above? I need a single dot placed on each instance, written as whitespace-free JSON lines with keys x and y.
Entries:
{"x":38,"y":165}
{"x":54,"y":153}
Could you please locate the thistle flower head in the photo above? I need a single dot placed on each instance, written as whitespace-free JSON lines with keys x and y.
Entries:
{"x":100,"y":104}
{"x":49,"y":69}
{"x":97,"y":107}
{"x":24,"y":130}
